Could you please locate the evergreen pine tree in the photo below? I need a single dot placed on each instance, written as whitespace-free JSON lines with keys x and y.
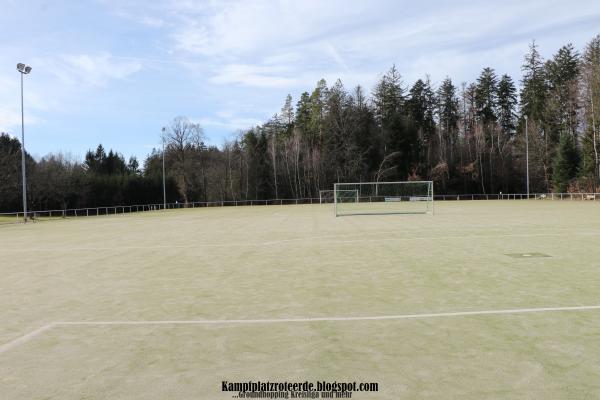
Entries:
{"x":533,"y":92}
{"x":420,"y":106}
{"x":486,"y":96}
{"x":561,"y":108}
{"x":448,"y":118}
{"x":590,"y":90}
{"x":507,"y":104}
{"x":565,"y":165}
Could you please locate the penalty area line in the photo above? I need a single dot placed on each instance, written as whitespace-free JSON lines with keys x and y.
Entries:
{"x":27,"y":337}
{"x":330,"y":319}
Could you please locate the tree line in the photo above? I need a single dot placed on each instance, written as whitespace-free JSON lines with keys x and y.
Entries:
{"x":467,"y":138}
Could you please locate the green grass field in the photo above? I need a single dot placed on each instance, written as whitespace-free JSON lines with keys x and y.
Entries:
{"x":132,"y":306}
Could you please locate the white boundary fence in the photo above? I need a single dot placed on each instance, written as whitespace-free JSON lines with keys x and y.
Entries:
{"x":120,"y":210}
{"x":16,"y":217}
{"x":520,"y":196}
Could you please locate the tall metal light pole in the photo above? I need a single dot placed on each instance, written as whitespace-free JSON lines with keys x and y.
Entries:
{"x":527,"y":153}
{"x":23,"y":69}
{"x":163,"y":170}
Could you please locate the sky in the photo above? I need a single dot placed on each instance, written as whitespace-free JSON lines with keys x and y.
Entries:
{"x":116,"y":71}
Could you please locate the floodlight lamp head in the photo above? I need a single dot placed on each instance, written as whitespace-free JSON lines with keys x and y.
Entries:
{"x":525,"y":117}
{"x":24,"y":69}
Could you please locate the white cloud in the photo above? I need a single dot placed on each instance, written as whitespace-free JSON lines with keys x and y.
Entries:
{"x":266,"y":44}
{"x":260,"y":26}
{"x":56,"y":83}
{"x":228,"y":122}
{"x":136,"y":11}
{"x":10,"y":121}
{"x":152,"y":21}
{"x":242,"y":38}
{"x":253,"y":75}
{"x":90,"y":70}
{"x":10,"y":111}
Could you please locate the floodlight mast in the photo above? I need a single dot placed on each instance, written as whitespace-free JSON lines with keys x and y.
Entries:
{"x":163,"y":170}
{"x":527,"y":153}
{"x":24,"y":70}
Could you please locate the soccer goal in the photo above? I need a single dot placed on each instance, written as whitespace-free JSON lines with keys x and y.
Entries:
{"x":325,"y":196}
{"x":410,"y":197}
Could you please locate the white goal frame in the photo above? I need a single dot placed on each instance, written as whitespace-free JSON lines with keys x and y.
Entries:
{"x":322,"y":192}
{"x":333,"y":192}
{"x":368,"y":196}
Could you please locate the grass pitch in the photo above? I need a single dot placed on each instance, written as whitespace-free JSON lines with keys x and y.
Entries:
{"x":104,"y":307}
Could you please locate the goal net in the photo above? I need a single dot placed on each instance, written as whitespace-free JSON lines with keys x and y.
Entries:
{"x":325,"y":196}
{"x":411,"y":197}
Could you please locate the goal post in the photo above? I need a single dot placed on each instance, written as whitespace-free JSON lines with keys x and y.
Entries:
{"x":348,"y":196}
{"x":325,"y":196}
{"x":409,"y":197}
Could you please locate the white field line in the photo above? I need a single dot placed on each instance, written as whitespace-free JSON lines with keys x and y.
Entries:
{"x":25,"y":338}
{"x":331,"y":319}
{"x":294,"y":240}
